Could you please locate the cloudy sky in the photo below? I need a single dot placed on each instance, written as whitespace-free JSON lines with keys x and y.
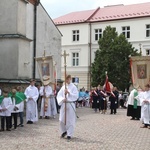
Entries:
{"x":57,"y":8}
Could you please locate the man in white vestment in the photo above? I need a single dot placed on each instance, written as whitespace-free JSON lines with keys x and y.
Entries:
{"x":45,"y":92}
{"x":145,"y":107}
{"x":53,"y":106}
{"x":71,"y":96}
{"x":32,"y":95}
{"x":133,"y":104}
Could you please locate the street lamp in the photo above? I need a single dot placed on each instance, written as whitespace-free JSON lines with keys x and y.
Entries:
{"x":140,"y":48}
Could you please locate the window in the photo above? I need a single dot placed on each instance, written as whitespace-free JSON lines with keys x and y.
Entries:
{"x":148,"y":52}
{"x":75,"y":59}
{"x":148,"y":30}
{"x":126,"y":31}
{"x":75,"y":34}
{"x":98,"y":34}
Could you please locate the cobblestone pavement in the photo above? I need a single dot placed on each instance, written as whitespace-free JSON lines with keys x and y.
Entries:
{"x":94,"y":131}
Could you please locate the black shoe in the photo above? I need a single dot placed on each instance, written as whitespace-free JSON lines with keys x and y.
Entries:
{"x":132,"y":118}
{"x":68,"y":138}
{"x":1,"y":130}
{"x":64,"y":134}
{"x":28,"y":122}
{"x":31,"y":122}
{"x":20,"y":125}
{"x":40,"y":117}
{"x":8,"y":130}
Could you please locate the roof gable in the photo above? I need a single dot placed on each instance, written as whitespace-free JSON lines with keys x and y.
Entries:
{"x":122,"y":12}
{"x":74,"y":17}
{"x":106,"y":14}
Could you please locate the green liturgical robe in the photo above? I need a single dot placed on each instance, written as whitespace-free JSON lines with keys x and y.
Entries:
{"x":135,"y":100}
{"x":19,"y":97}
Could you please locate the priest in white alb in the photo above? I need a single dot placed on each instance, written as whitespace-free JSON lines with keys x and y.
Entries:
{"x":133,"y":103}
{"x":67,"y":127}
{"x":45,"y":92}
{"x":32,"y":95}
{"x":145,"y":107}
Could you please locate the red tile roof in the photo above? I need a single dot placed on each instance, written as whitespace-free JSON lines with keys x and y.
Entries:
{"x":105,"y":14}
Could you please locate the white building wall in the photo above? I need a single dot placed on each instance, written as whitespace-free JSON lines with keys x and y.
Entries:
{"x":66,"y":31}
{"x":21,"y":18}
{"x":16,"y":54}
{"x":81,"y":47}
{"x":8,"y":58}
{"x":8,"y":16}
{"x":24,"y":62}
{"x":137,"y":31}
{"x":137,"y":36}
{"x":48,"y":39}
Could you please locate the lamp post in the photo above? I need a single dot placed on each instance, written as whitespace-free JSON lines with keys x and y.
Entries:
{"x":140,"y":48}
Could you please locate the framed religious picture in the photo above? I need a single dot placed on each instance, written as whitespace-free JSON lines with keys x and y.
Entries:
{"x":142,"y":71}
{"x":45,"y":69}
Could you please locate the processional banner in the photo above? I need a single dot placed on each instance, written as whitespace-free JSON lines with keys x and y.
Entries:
{"x":140,"y":70}
{"x":46,"y":67}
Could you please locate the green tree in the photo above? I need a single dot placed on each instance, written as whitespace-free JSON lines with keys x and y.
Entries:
{"x":113,"y":56}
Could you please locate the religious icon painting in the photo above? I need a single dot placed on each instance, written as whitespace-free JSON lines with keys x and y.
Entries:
{"x":45,"y":69}
{"x":142,"y":71}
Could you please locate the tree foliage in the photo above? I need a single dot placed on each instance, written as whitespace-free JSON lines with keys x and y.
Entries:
{"x":113,"y":56}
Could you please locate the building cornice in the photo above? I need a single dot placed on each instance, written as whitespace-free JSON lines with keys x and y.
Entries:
{"x":92,"y":22}
{"x":14,"y":36}
{"x":26,"y":1}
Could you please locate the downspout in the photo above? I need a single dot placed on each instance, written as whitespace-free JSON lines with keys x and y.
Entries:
{"x":90,"y":47}
{"x":90,"y":42}
{"x":34,"y":38}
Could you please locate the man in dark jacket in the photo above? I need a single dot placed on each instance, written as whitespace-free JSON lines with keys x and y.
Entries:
{"x":113,"y":101}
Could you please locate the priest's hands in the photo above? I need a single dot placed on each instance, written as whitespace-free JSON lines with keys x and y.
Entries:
{"x":146,"y":101}
{"x":65,"y":100}
{"x":4,"y":109}
{"x":66,"y":92}
{"x":30,"y":98}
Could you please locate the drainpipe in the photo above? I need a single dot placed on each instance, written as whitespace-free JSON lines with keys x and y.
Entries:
{"x":90,"y":47}
{"x":34,"y":38}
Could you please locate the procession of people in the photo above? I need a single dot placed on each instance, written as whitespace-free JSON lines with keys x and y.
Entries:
{"x":138,"y":105}
{"x":68,"y":98}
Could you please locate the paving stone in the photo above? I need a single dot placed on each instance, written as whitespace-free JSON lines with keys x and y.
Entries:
{"x":94,"y":131}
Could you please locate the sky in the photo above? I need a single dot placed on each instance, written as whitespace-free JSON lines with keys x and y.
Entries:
{"x":57,"y":8}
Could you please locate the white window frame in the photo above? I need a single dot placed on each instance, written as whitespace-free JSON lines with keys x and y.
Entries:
{"x":99,"y":34}
{"x":148,"y":30}
{"x":75,"y":35}
{"x":126,"y":31}
{"x":147,"y":52}
{"x":75,"y":59}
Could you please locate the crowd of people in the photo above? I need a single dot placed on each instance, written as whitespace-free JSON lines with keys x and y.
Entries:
{"x":12,"y":105}
{"x":98,"y":99}
{"x":51,"y":103}
{"x":138,"y":105}
{"x":69,"y":98}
